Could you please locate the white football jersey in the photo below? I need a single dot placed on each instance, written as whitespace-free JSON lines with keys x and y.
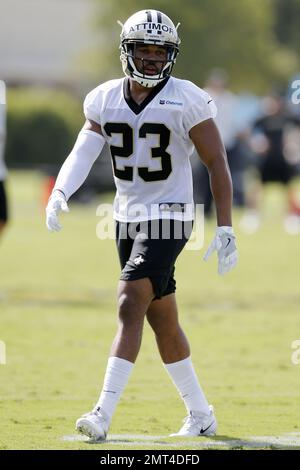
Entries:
{"x":150,"y":145}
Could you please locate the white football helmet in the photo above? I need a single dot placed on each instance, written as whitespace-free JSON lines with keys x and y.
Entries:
{"x":148,"y":27}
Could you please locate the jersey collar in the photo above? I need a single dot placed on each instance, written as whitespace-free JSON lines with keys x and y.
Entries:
{"x":138,"y":108}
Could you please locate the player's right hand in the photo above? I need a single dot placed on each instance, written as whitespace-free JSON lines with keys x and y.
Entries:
{"x":57,"y":203}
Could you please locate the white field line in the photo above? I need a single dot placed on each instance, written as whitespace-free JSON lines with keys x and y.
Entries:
{"x":290,"y":441}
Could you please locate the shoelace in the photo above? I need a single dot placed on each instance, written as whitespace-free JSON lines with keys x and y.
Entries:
{"x":190,"y":420}
{"x":98,"y":414}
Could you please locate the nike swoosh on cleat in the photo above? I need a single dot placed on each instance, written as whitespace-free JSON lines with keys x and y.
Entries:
{"x":204,"y":430}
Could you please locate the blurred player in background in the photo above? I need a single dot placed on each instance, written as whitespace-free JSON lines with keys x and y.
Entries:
{"x":151,"y":122}
{"x":3,"y":171}
{"x":230,"y":130}
{"x":276,"y":142}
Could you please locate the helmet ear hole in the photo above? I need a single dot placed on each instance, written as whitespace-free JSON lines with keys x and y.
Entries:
{"x":131,"y":48}
{"x":170,"y":52}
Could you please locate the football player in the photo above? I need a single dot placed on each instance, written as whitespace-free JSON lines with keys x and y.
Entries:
{"x":151,"y":122}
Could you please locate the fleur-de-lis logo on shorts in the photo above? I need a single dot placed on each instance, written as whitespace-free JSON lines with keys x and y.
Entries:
{"x":138,"y":260}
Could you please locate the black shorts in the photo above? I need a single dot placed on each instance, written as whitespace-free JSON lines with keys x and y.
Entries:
{"x":276,"y":170}
{"x":150,"y":249}
{"x":3,"y":203}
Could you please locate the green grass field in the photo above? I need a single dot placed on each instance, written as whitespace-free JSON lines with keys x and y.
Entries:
{"x":58,"y":318}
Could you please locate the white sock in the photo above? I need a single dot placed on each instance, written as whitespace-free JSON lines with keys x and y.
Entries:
{"x":187,"y":384}
{"x":116,"y":377}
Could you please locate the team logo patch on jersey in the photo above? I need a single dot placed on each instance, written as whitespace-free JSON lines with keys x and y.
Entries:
{"x":174,"y":103}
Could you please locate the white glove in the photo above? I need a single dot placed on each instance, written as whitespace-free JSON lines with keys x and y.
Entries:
{"x":224,"y":245}
{"x":57,"y":203}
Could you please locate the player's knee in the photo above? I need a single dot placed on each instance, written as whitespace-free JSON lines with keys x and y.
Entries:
{"x":168,"y":333}
{"x":126,"y":303}
{"x":130,"y":311}
{"x":162,"y":328}
{"x":155,"y":323}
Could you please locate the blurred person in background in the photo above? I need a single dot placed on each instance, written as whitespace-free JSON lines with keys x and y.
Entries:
{"x":275,"y":140}
{"x":3,"y":171}
{"x":231,"y":131}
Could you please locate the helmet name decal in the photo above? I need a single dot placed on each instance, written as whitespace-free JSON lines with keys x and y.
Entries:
{"x":151,"y":27}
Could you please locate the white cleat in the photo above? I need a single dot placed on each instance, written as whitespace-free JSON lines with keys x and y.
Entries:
{"x":94,"y":425}
{"x":198,"y":424}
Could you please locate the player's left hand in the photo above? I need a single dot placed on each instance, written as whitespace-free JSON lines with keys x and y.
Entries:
{"x":224,"y":245}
